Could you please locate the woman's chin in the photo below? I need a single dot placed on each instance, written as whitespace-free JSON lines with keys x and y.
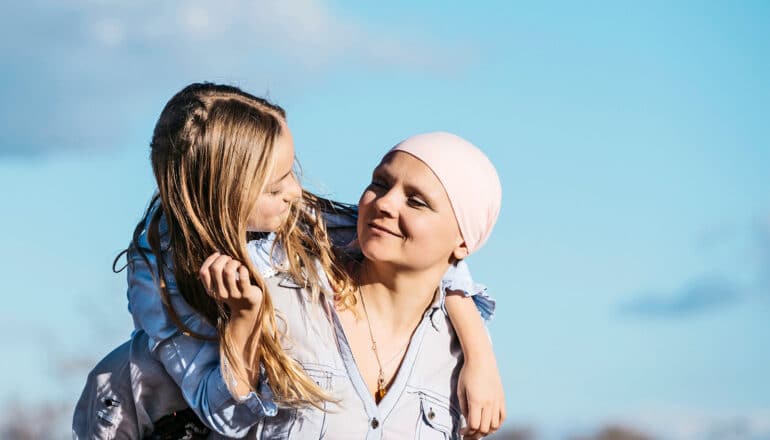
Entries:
{"x":374,"y":251}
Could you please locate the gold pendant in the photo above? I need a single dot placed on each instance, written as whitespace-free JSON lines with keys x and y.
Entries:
{"x":381,"y":388}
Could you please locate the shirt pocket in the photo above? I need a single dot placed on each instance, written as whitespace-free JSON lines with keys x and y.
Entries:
{"x":299,"y":423}
{"x":437,"y":419}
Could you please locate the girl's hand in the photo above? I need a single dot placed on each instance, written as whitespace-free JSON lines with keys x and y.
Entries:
{"x":482,"y":400}
{"x":227,"y":280}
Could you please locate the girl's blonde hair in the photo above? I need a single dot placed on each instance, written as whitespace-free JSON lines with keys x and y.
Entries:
{"x":212,"y":151}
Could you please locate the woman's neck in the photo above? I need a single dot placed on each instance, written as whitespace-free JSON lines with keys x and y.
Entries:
{"x":396,"y":298}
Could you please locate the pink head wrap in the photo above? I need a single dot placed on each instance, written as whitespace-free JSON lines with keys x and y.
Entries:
{"x":469,"y":178}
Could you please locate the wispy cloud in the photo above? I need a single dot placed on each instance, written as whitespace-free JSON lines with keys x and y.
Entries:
{"x":77,"y":74}
{"x":699,"y":295}
{"x":762,"y":240}
{"x":714,"y":291}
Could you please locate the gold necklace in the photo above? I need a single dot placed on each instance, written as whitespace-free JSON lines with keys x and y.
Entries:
{"x":381,"y":376}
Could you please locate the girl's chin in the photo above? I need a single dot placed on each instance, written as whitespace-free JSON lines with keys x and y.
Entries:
{"x":266,"y":226}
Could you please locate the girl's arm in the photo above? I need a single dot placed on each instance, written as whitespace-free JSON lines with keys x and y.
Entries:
{"x":228,"y":280}
{"x":479,"y":388}
{"x":194,"y":364}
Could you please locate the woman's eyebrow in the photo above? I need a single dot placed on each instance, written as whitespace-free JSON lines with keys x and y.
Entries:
{"x":382,"y":172}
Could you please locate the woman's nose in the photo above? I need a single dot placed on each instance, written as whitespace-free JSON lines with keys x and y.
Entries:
{"x":385,"y":203}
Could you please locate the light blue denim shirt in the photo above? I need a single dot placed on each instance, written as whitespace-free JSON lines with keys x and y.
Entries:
{"x":194,"y":364}
{"x":421,"y":403}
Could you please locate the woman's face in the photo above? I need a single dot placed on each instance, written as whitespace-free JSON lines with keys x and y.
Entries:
{"x":405,"y":217}
{"x":282,"y":188}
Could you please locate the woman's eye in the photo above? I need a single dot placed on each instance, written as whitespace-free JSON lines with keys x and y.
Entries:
{"x":377,"y":184}
{"x":413,"y":201}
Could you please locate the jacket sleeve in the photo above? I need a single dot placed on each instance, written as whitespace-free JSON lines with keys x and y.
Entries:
{"x":194,"y":364}
{"x":458,"y":277}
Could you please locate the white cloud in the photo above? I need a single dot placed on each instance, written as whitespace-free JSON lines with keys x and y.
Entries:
{"x":108,"y":31}
{"x":195,"y":20}
{"x":308,"y":32}
{"x":79,"y":73}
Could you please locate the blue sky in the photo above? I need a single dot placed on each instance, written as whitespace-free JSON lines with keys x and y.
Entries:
{"x":631,"y":260}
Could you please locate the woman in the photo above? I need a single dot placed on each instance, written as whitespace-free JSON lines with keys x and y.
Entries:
{"x":433,"y":200}
{"x":223,"y":162}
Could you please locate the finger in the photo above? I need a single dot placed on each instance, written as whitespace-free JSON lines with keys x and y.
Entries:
{"x":494,"y":423}
{"x":243,"y":278}
{"x":474,"y":436}
{"x":461,"y":397}
{"x":203,"y":273}
{"x":486,"y":418}
{"x":230,"y":278}
{"x":217,"y":284}
{"x":474,"y":418}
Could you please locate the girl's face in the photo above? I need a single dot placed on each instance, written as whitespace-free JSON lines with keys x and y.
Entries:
{"x":405,"y":217}
{"x":281,"y":190}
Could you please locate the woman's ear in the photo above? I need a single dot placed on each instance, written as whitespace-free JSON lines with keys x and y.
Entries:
{"x":460,"y":251}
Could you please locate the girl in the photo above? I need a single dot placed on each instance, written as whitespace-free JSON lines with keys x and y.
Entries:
{"x":223,"y":162}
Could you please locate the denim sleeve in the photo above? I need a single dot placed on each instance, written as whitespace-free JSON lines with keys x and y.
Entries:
{"x":195,"y":367}
{"x":193,"y":363}
{"x":341,"y":227}
{"x":458,"y":277}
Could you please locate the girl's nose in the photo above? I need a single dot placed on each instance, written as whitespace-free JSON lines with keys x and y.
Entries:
{"x":294,"y":191}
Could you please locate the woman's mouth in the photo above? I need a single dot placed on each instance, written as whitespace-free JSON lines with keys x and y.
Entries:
{"x":383,"y":229}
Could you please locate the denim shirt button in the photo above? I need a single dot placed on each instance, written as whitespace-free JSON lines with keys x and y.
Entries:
{"x":375,"y":423}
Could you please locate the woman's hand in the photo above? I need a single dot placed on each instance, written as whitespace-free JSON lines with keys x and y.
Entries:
{"x":228,"y":280}
{"x":482,"y":401}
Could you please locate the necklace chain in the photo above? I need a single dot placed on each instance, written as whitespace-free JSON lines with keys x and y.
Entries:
{"x":395,"y":356}
{"x":381,"y":375}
